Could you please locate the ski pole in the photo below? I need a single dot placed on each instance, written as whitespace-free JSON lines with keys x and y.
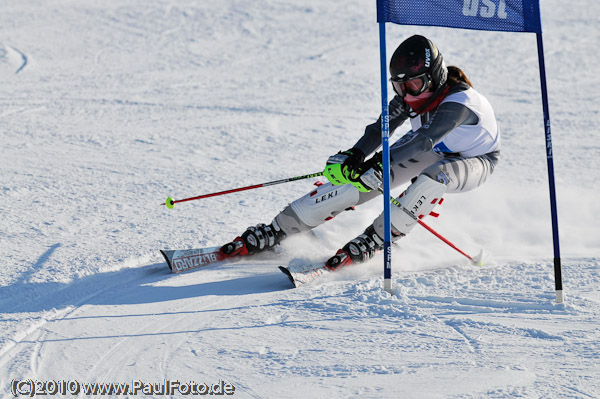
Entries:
{"x":170,"y":202}
{"x":476,"y":260}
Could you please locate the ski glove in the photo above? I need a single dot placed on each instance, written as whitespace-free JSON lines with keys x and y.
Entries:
{"x":341,"y":165}
{"x":369,"y":175}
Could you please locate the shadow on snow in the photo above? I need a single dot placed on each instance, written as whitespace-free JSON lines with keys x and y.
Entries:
{"x":129,"y":286}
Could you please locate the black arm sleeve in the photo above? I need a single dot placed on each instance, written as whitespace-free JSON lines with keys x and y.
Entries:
{"x":446,"y":118}
{"x":371,"y":140}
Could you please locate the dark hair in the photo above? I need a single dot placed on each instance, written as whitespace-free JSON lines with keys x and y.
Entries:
{"x":456,"y":75}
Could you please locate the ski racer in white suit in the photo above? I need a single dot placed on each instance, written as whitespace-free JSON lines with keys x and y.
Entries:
{"x":453,"y":147}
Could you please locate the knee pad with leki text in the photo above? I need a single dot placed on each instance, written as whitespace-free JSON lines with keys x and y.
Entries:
{"x":416,"y":202}
{"x":316,"y":207}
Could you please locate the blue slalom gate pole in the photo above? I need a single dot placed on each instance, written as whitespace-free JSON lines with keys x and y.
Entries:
{"x":385,"y":154}
{"x":550,"y":161}
{"x":500,"y":16}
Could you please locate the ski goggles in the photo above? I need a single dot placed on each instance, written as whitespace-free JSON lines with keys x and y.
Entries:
{"x":414,"y":85}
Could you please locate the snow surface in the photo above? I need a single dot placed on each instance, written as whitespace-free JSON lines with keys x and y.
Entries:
{"x":107,"y":108}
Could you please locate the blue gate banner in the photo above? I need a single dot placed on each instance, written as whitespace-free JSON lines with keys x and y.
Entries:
{"x":494,"y":15}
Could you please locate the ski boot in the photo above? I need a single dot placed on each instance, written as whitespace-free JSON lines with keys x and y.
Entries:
{"x":359,"y":250}
{"x":254,"y":240}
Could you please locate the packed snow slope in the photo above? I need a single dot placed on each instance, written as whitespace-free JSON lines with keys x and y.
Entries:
{"x":107,"y":108}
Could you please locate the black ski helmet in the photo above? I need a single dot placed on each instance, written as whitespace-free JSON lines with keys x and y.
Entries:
{"x":418,"y":55}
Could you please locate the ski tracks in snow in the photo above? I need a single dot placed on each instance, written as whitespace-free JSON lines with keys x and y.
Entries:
{"x":12,"y":60}
{"x":330,"y":336}
{"x":103,"y":327}
{"x":33,"y":327}
{"x":484,"y":317}
{"x":498,"y":311}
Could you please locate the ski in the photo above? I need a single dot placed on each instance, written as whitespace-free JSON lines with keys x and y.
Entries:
{"x":182,"y":260}
{"x":304,"y":273}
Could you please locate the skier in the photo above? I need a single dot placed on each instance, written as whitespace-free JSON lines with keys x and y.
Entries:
{"x":453,"y":147}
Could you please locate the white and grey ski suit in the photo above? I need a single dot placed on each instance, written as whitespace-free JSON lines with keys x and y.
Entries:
{"x":451,"y":149}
